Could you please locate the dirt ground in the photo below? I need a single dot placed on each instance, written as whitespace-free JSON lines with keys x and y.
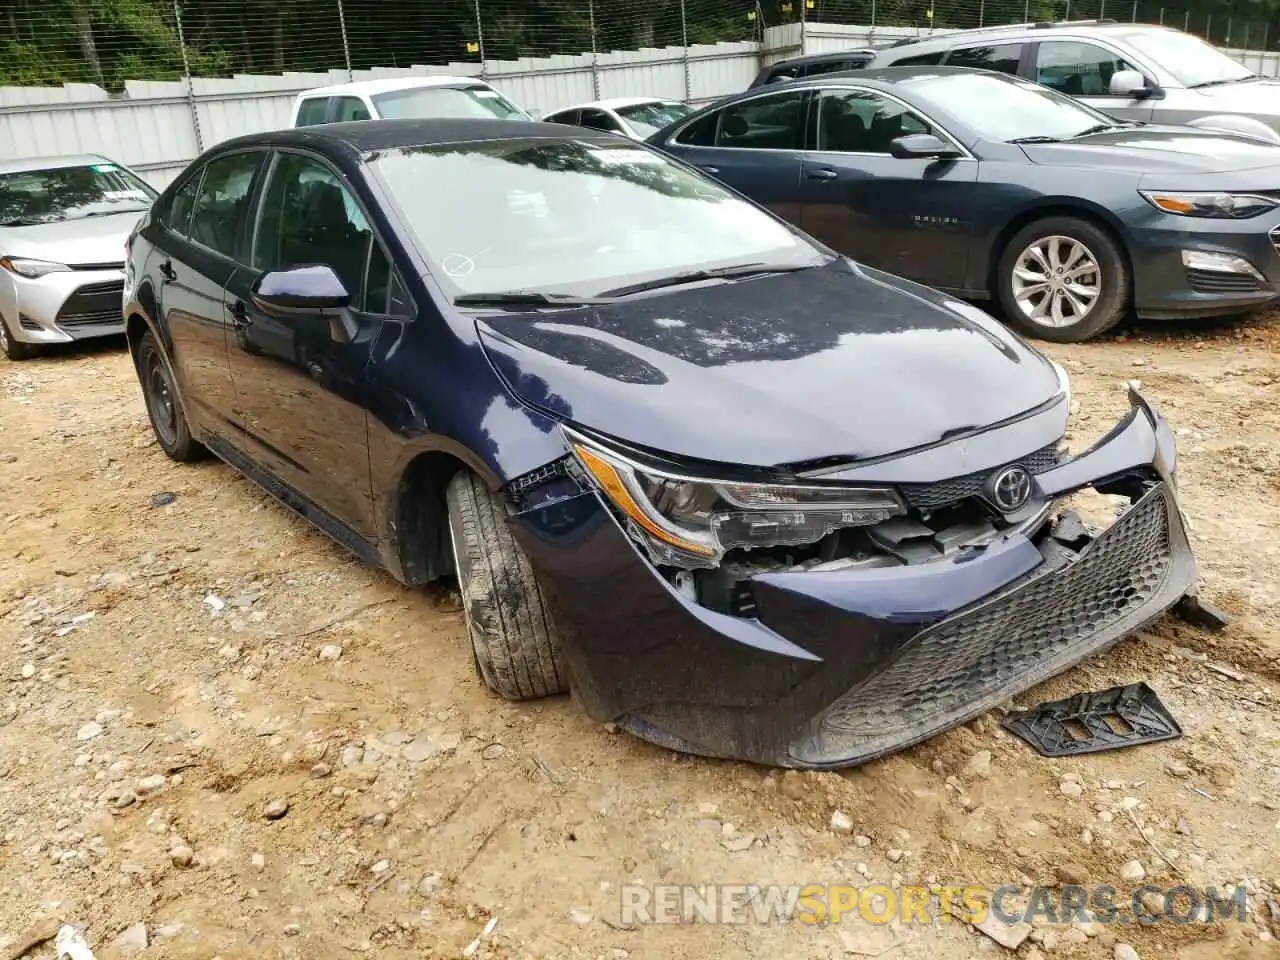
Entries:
{"x":217,"y":725}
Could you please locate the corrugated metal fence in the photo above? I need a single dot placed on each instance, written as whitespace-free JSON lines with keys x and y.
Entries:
{"x":158,"y":127}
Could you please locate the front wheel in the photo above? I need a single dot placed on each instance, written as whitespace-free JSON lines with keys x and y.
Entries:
{"x":1063,"y":279}
{"x":513,"y":637}
{"x":12,"y":348}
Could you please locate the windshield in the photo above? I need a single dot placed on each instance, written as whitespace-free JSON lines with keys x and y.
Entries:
{"x":649,"y":118}
{"x":573,"y":216}
{"x":70,"y":193}
{"x":475,"y":101}
{"x":1188,"y":59}
{"x":1004,"y":108}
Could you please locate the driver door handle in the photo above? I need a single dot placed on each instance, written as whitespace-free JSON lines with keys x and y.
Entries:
{"x":167,"y":271}
{"x":821,"y":173}
{"x":709,"y":168}
{"x":240,"y":315}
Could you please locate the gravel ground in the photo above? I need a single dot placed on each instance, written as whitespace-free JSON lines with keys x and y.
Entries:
{"x":222,"y":737}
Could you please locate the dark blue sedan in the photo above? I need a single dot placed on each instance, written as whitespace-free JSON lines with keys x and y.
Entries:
{"x":745,"y":496}
{"x":989,"y":186}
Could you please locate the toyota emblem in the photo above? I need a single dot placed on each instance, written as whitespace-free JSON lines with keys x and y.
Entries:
{"x":1011,"y":489}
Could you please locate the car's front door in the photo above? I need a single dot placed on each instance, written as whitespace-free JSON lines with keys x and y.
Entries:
{"x":912,"y":217}
{"x":194,"y":259}
{"x":1084,"y":71}
{"x":755,"y":146}
{"x":302,"y":393}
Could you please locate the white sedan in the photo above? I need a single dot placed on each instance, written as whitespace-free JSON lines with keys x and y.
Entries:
{"x":634,"y":117}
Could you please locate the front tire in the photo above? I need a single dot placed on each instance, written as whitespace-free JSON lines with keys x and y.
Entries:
{"x":12,"y":348}
{"x":168,"y":421}
{"x":1063,"y":279}
{"x":513,"y":638}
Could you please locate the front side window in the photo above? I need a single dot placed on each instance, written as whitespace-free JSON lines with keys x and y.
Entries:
{"x":71,"y":193}
{"x":1008,"y":109}
{"x":1001,"y":57}
{"x":312,"y":111}
{"x":220,"y":205}
{"x":350,"y":108}
{"x":1077,"y":69}
{"x":569,"y":117}
{"x":599,"y":120}
{"x":309,"y":216}
{"x":773,"y":122}
{"x":859,"y":121}
{"x":1188,"y":59}
{"x":475,"y":100}
{"x":572,"y":216}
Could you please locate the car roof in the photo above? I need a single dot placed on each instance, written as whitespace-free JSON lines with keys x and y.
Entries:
{"x":387,"y":84}
{"x":363,"y":136}
{"x":867,"y":52}
{"x":1015,"y":30}
{"x":26,"y":164}
{"x":614,"y":103}
{"x":885,"y":77}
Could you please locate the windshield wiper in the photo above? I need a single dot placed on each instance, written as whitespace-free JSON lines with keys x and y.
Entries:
{"x":715,"y":273}
{"x":1098,"y":128}
{"x":1221,"y":83}
{"x":30,"y":221}
{"x":1036,"y":140}
{"x":526,"y":298}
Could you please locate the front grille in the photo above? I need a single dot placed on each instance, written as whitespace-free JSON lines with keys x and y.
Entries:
{"x":94,"y":303}
{"x":1274,"y":236}
{"x":931,"y":496}
{"x":1006,"y":644}
{"x":1213,"y":281}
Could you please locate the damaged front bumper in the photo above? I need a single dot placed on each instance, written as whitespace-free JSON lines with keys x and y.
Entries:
{"x":835,"y":667}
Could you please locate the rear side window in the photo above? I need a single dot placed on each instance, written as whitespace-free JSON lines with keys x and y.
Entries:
{"x":312,"y":111}
{"x":220,"y":206}
{"x":832,"y":66}
{"x":1002,"y":57}
{"x":925,"y":60}
{"x":350,"y":108}
{"x":569,"y":116}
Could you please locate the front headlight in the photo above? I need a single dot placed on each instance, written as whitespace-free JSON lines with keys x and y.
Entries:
{"x":1221,"y":206}
{"x":691,"y":521}
{"x":31,"y":269}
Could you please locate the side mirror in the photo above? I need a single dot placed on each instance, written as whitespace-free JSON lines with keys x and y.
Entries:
{"x":1129,"y":83}
{"x":313,"y":290}
{"x":916,"y":146}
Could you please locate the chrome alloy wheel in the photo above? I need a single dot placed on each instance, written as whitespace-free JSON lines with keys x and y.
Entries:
{"x":1056,"y":281}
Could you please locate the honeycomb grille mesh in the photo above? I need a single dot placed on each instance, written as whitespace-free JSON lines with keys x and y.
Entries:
{"x":1005,"y":644}
{"x":931,"y":496}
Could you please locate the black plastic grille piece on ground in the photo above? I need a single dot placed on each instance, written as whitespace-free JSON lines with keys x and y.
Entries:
{"x":1134,"y":571}
{"x":1123,"y":716}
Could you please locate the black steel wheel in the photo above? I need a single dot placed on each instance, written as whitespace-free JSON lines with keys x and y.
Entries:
{"x":164,"y":407}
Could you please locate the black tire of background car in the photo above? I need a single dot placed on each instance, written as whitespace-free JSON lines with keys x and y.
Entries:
{"x":513,"y":637}
{"x":1113,"y":303}
{"x":176,"y":442}
{"x":13,"y":349}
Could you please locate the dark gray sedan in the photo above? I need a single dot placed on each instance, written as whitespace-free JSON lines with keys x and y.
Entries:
{"x":989,"y":186}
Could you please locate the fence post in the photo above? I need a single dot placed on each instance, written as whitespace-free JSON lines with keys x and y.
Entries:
{"x":684,"y":40}
{"x":1262,"y":54}
{"x":982,"y":8}
{"x":186,"y":75}
{"x":346,"y":48}
{"x":1026,"y":11}
{"x":1102,"y":9}
{"x":1133,"y":14}
{"x":595,"y":56}
{"x":484,"y":70}
{"x":803,"y":27}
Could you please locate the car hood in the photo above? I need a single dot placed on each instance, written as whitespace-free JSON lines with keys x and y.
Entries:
{"x":1160,"y":149}
{"x":840,"y":361}
{"x":1260,"y":97}
{"x":82,"y":242}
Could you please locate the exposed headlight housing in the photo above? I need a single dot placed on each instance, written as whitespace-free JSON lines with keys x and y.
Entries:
{"x":31,"y":269}
{"x":1064,"y":380}
{"x":1221,"y":206}
{"x":692,"y":522}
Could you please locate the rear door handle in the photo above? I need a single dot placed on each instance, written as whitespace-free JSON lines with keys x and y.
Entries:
{"x":708,"y":168}
{"x":167,"y":271}
{"x":821,"y":173}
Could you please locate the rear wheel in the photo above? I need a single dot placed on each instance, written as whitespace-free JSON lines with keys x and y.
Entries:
{"x":1063,"y":279}
{"x":168,"y":421}
{"x":513,"y":637}
{"x":10,"y":347}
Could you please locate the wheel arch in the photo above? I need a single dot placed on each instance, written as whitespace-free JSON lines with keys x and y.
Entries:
{"x":1058,"y":207}
{"x":419,"y":516}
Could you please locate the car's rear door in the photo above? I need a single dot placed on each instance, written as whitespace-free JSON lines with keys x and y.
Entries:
{"x":755,"y":146}
{"x":302,"y":393}
{"x":193,"y":260}
{"x":913,"y":217}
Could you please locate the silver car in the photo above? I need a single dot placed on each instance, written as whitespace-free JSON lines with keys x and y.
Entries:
{"x":1132,"y":71}
{"x":63,"y":226}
